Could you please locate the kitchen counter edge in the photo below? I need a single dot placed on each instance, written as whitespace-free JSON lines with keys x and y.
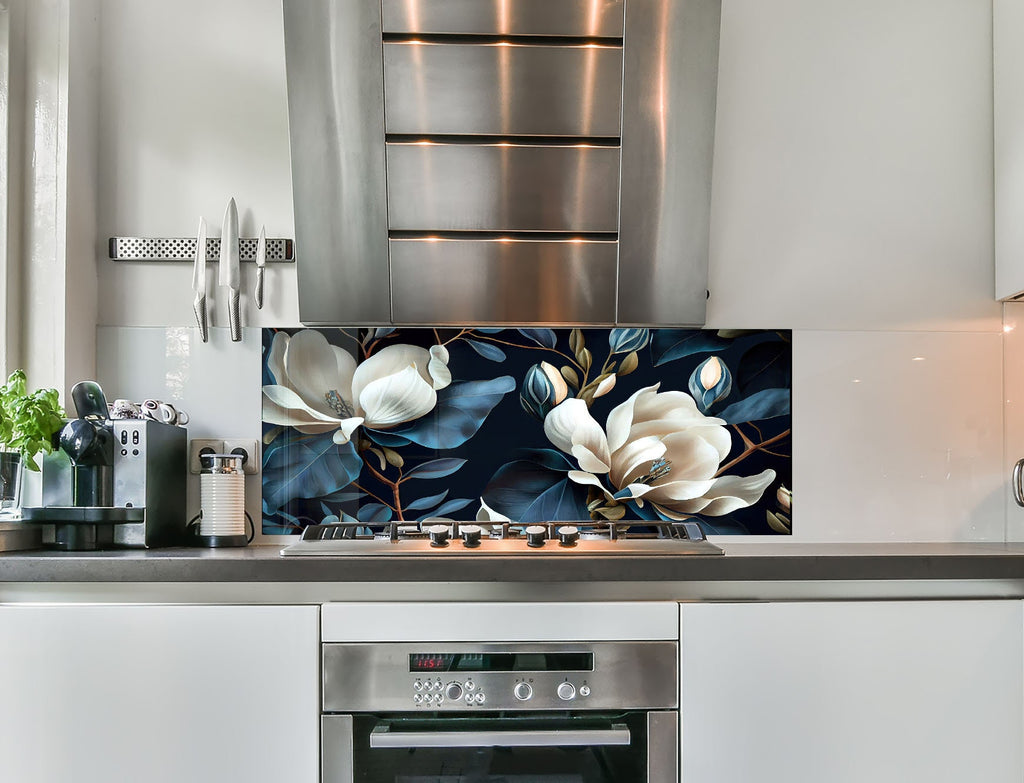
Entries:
{"x":742,"y":562}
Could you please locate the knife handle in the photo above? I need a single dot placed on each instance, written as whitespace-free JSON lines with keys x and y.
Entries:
{"x":258,"y":293}
{"x":199,"y":306}
{"x":234,"y":317}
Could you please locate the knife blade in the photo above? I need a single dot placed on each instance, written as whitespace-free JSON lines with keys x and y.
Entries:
{"x":199,"y":282}
{"x":229,"y":273}
{"x":261,"y":262}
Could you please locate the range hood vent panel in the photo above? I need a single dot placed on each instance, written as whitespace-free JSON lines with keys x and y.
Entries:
{"x":457,"y":161}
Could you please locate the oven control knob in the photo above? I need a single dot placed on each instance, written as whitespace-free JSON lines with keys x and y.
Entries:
{"x":568,"y":535}
{"x":584,"y":690}
{"x":453,"y":692}
{"x":522,"y":691}
{"x":470,"y":535}
{"x":438,"y":535}
{"x":535,"y":535}
{"x":566,"y":691}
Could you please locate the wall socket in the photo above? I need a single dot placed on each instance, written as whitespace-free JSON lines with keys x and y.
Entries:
{"x":249,"y":446}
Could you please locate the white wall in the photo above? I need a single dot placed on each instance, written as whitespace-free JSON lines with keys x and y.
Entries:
{"x":852,"y":203}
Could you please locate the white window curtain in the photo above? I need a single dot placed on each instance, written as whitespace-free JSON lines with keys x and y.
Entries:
{"x":48,"y":151}
{"x":6,"y":325}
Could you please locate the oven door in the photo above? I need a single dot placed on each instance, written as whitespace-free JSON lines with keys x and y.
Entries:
{"x":631,"y":747}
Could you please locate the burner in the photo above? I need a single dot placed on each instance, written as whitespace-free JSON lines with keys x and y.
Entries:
{"x":453,"y":538}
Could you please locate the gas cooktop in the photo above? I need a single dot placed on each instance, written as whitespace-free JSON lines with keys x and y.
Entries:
{"x":467,"y":539}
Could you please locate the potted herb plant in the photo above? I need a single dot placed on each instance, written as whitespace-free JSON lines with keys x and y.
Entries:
{"x":28,"y":423}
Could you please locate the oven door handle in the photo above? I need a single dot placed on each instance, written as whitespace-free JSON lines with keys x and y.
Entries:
{"x":383,"y":737}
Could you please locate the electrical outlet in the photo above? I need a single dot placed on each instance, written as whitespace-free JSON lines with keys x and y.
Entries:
{"x":198,"y":445}
{"x":249,"y":448}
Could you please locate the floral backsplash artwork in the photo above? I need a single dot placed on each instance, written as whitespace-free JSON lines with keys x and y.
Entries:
{"x":527,"y":425}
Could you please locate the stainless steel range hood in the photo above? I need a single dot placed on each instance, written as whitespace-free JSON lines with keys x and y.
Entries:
{"x":502,"y":161}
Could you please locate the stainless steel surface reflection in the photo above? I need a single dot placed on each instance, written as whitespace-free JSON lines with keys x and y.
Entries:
{"x":502,"y":89}
{"x":668,"y":136}
{"x":596,"y":18}
{"x":336,"y":121}
{"x":502,"y":187}
{"x":453,"y":281}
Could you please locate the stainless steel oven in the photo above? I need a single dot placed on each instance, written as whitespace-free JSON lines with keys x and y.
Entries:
{"x":518,"y":712}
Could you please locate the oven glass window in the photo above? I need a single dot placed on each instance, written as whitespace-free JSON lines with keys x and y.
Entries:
{"x":480,"y":759}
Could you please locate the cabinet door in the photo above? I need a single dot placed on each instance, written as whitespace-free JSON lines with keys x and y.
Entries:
{"x":927,"y":691}
{"x":162,"y":694}
{"x":1008,"y":119}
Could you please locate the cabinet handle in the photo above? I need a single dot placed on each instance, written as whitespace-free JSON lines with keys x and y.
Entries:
{"x":1018,"y":488}
{"x":382,"y":737}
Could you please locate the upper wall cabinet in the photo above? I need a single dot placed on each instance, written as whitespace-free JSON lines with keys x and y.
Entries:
{"x":502,"y":161}
{"x":1008,"y":105}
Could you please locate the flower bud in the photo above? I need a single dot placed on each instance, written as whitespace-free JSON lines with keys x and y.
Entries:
{"x":710,"y":382}
{"x":628,"y":340}
{"x":785,"y":498}
{"x":543,"y":388}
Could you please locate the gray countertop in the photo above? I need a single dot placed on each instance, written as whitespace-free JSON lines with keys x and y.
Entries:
{"x":742,"y":562}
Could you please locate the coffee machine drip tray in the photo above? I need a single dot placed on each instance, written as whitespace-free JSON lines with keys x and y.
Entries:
{"x":90,"y":515}
{"x":80,"y":528}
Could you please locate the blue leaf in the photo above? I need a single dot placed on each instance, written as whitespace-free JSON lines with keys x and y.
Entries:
{"x":388,"y":439}
{"x":486,"y":350}
{"x":490,"y":331}
{"x":549,"y":458}
{"x":374,"y":514}
{"x":455,"y":504}
{"x":516,"y":485}
{"x":564,"y":501}
{"x":546,"y":338}
{"x":382,"y":332}
{"x":307,"y":466}
{"x":436,"y":468}
{"x":762,"y":405}
{"x":667,"y":345}
{"x":722,"y":526}
{"x":427,"y":502}
{"x":342,"y":497}
{"x":460,"y":412}
{"x":330,"y":519}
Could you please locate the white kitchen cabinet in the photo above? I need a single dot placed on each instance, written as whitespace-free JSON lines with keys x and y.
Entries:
{"x":848,"y":692}
{"x":1008,"y":130}
{"x":161,"y":694}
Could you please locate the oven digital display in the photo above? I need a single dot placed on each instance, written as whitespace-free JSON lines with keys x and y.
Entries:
{"x":502,"y":662}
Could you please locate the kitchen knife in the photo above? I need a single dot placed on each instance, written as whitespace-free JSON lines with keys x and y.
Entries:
{"x":199,"y":281}
{"x":229,"y":275}
{"x":261,"y":262}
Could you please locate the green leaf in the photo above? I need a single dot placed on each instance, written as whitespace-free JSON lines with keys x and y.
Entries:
{"x":575,"y":340}
{"x":570,"y":376}
{"x":630,"y":363}
{"x":28,"y":422}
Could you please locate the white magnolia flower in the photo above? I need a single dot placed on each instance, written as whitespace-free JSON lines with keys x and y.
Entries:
{"x":656,"y":448}
{"x":321,"y":388}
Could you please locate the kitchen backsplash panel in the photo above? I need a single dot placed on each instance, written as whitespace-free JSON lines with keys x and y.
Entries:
{"x":527,"y":425}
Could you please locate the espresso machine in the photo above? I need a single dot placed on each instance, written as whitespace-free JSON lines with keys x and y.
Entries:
{"x":112,"y":483}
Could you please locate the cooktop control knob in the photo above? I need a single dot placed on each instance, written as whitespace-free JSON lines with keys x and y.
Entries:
{"x":568,"y":535}
{"x":535,"y":535}
{"x":453,"y":691}
{"x":438,"y":535}
{"x":470,"y":535}
{"x":522,"y":691}
{"x":566,"y":691}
